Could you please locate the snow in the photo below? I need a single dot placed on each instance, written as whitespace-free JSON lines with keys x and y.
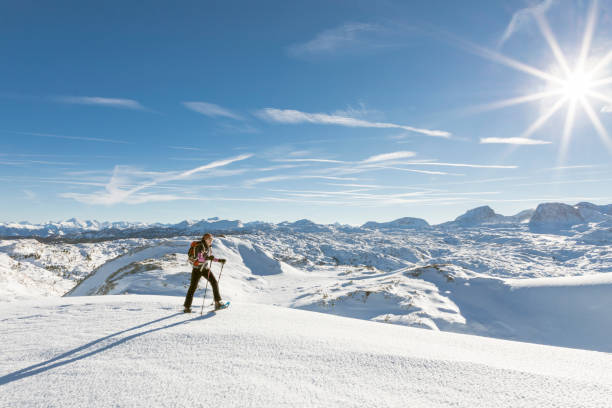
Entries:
{"x":18,"y":282}
{"x":550,"y":217}
{"x":480,"y":288}
{"x":477,"y":216}
{"x":322,"y":315}
{"x":138,"y":351}
{"x":457,"y":279}
{"x":98,"y":281}
{"x":405,"y":222}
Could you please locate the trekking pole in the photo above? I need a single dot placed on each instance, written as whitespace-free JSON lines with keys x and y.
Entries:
{"x":222,"y":265}
{"x":219,"y":280}
{"x":205,"y":289}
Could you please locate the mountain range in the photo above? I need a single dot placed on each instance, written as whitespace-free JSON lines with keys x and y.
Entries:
{"x":547,"y":217}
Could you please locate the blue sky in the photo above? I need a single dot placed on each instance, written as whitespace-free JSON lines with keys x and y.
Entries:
{"x":333,"y":111}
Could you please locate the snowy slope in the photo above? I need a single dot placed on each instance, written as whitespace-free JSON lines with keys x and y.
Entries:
{"x":401,"y":223}
{"x":461,"y":279}
{"x":572,"y":311}
{"x":29,"y":268}
{"x":137,"y":351}
{"x":551,"y":217}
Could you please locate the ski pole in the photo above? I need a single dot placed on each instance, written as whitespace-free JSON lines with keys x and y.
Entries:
{"x":222,"y":265}
{"x":219,"y":280}
{"x":206,"y":288}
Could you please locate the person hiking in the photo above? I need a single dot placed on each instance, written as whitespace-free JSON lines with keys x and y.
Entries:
{"x":201,"y":254}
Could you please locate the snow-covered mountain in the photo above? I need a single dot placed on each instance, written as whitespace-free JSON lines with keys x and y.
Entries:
{"x":487,"y":277}
{"x":292,"y":286}
{"x":485,"y":215}
{"x":548,"y":217}
{"x":451,"y":293}
{"x":401,"y":223}
{"x":75,"y":229}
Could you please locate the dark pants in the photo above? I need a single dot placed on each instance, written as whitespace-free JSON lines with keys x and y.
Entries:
{"x":196,"y":274}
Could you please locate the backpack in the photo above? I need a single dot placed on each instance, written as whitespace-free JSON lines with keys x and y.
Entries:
{"x":192,"y":256}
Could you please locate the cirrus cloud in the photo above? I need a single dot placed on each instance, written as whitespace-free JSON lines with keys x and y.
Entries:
{"x":389,"y":156}
{"x":100,"y":101}
{"x":212,"y":110}
{"x":290,"y":116}
{"x":520,"y":18}
{"x":513,"y":140}
{"x":332,"y":40}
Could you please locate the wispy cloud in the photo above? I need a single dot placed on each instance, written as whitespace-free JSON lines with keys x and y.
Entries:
{"x":430,"y":172}
{"x":577,"y":181}
{"x":290,"y":116}
{"x":607,"y":109}
{"x":336,"y":39}
{"x":361,"y":198}
{"x":475,"y":166}
{"x":50,"y":135}
{"x":298,"y":153}
{"x":32,"y":162}
{"x":311,"y":161}
{"x":575,"y":167}
{"x":274,"y":168}
{"x":29,"y":195}
{"x":211,"y":110}
{"x":513,"y":140}
{"x":521,"y":17}
{"x":271,"y":179}
{"x":391,"y":161}
{"x":389,"y":156}
{"x":187,"y":148}
{"x":123,"y":188}
{"x":241,"y":127}
{"x":100,"y":101}
{"x":359,"y":112}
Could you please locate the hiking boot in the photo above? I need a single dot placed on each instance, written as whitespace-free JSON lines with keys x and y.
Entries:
{"x":187,"y":310}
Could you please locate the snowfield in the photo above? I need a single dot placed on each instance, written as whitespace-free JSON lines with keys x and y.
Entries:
{"x":321,"y":314}
{"x":138,"y":351}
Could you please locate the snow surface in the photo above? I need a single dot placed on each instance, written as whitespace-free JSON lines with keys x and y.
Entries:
{"x":540,"y":276}
{"x":450,"y":279}
{"x":551,"y":217}
{"x":138,"y":351}
{"x":458,"y":292}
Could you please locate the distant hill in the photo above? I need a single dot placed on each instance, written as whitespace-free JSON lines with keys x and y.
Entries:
{"x":548,"y":217}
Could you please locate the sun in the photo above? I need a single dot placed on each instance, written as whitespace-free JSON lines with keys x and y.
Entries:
{"x":575,"y":85}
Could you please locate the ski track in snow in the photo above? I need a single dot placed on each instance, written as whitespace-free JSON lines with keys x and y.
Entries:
{"x":138,"y":351}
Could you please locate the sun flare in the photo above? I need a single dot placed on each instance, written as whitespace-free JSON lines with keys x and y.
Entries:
{"x":578,"y":85}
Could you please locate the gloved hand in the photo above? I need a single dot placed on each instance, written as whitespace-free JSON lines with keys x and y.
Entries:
{"x":222,"y":260}
{"x":210,"y":258}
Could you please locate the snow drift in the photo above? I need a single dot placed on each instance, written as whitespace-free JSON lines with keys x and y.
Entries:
{"x":137,"y":351}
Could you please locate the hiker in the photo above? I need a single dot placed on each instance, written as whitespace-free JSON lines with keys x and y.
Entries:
{"x":200,"y":254}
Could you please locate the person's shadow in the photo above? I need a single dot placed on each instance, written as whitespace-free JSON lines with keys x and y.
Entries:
{"x":72,"y":355}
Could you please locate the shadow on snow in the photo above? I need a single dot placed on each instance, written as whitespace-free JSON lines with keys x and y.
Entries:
{"x":61,"y":360}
